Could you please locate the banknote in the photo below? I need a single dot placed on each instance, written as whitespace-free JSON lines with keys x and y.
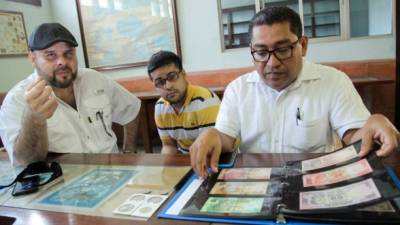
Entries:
{"x":330,"y":159}
{"x":90,"y":189}
{"x":240,"y":188}
{"x":245,"y":174}
{"x":380,"y":207}
{"x":232,"y":205}
{"x":339,"y":174}
{"x":351,"y":194}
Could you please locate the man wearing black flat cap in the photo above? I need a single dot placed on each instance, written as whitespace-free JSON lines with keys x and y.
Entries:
{"x":60,"y":108}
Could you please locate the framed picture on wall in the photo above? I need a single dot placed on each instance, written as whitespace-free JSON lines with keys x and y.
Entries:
{"x":31,"y":2}
{"x":125,"y":33}
{"x":12,"y":34}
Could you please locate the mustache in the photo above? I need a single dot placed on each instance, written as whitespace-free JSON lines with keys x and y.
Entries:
{"x":273,"y":72}
{"x":171,"y":90}
{"x":62,"y":69}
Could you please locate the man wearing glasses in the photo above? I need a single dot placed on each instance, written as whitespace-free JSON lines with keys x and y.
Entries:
{"x":60,"y":108}
{"x":288,"y":105}
{"x":184,"y":110}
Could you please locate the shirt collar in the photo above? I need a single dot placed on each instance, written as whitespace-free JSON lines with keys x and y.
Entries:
{"x":34,"y":75}
{"x":254,"y":77}
{"x":189,"y":95}
{"x":307,"y":73}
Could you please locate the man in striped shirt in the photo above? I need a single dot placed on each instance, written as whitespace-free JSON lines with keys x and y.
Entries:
{"x":184,"y":110}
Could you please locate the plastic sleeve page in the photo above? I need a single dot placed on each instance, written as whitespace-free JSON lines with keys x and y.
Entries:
{"x":186,"y":195}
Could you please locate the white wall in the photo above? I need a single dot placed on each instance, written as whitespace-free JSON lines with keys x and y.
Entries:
{"x":14,"y":69}
{"x":200,"y":38}
{"x":65,"y":12}
{"x":201,"y":45}
{"x":200,"y":41}
{"x":382,"y":47}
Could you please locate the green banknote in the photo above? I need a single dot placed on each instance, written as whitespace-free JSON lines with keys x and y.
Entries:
{"x":232,"y":205}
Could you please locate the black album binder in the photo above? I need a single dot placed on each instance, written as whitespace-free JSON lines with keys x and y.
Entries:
{"x":337,"y":187}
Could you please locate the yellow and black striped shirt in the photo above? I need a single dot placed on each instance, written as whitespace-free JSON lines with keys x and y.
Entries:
{"x":199,"y":112}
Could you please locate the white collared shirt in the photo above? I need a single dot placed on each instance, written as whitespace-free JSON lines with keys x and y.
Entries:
{"x":99,"y":101}
{"x":302,"y":117}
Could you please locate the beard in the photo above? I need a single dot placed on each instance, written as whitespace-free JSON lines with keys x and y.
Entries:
{"x":180,"y":99}
{"x":52,"y":79}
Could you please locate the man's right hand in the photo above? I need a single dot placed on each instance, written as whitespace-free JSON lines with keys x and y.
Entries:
{"x":205,"y":152}
{"x":40,"y":100}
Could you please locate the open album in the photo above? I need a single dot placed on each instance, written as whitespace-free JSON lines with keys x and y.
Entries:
{"x":337,"y":187}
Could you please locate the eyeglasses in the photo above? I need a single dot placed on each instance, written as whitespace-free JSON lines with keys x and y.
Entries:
{"x":281,"y":53}
{"x":47,"y":172}
{"x":34,"y":175}
{"x":172,"y":76}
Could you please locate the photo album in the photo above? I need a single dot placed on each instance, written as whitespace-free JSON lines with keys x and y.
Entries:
{"x":337,"y":187}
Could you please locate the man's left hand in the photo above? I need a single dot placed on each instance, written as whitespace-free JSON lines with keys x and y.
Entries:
{"x":379,"y":129}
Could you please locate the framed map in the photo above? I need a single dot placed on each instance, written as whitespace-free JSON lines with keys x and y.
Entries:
{"x":32,"y":2}
{"x":12,"y":34}
{"x":125,"y":33}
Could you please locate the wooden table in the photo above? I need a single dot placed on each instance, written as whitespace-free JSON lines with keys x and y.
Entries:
{"x":39,"y":217}
{"x":359,"y":81}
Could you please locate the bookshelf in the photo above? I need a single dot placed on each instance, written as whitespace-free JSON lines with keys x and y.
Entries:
{"x":321,"y":18}
{"x":235,"y":26}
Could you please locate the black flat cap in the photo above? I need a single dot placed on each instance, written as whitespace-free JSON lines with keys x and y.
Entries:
{"x":49,"y":33}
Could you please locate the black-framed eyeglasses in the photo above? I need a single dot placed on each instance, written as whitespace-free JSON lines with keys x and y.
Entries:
{"x":280,"y":53}
{"x":172,"y":76}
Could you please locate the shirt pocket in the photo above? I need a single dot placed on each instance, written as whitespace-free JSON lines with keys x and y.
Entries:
{"x":309,"y":135}
{"x":98,"y":110}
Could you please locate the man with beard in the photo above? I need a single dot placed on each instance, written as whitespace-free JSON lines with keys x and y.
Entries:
{"x":60,"y":108}
{"x":288,"y":105}
{"x":184,"y":110}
